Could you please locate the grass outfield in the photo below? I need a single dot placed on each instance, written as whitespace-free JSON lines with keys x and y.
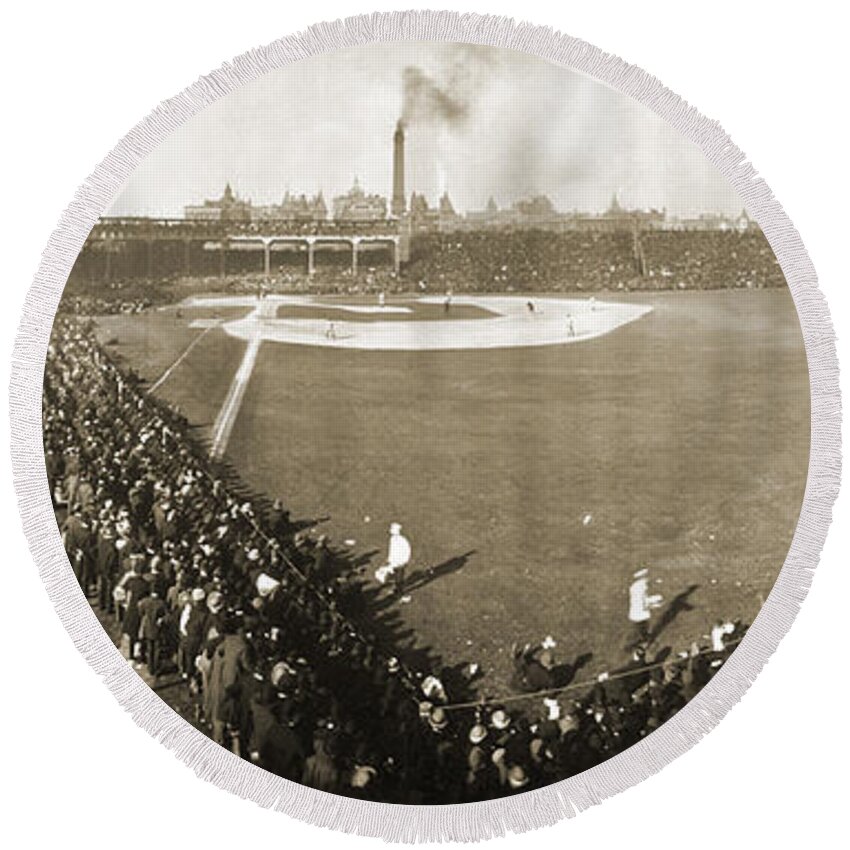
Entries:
{"x":684,"y":436}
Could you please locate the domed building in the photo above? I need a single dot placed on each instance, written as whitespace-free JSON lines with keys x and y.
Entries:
{"x":356,"y":205}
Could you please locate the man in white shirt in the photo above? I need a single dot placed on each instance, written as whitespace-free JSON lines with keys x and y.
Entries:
{"x":719,"y":631}
{"x":398,"y":557}
{"x":641,"y":604}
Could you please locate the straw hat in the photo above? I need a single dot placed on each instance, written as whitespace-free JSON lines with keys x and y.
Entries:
{"x":517,"y":777}
{"x":438,"y":719}
{"x":266,"y":584}
{"x":500,"y":719}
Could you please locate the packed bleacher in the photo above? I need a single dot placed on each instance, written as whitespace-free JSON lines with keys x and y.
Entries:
{"x":545,"y":261}
{"x":273,"y":635}
{"x":522,"y":260}
{"x":710,"y":259}
{"x":84,"y":296}
{"x":506,"y":260}
{"x":134,"y":295}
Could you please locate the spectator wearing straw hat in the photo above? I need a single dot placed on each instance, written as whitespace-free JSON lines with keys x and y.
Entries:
{"x":135,"y":589}
{"x":478,"y":776}
{"x":193,"y":629}
{"x":517,"y":778}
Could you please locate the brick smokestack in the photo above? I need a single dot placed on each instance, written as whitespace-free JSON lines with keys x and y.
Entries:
{"x":399,"y":204}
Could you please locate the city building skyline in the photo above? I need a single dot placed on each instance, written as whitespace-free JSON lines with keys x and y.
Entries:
{"x":315,"y":126}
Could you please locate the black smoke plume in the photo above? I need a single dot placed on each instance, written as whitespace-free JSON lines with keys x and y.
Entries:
{"x":448,"y":98}
{"x":426,"y":102}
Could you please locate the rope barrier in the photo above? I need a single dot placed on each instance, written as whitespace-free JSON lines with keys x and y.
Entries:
{"x":589,"y":683}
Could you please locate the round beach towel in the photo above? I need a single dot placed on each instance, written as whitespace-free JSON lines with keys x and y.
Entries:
{"x":426,"y":425}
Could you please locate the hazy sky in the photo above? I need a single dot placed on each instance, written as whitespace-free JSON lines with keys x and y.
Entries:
{"x":481,"y":121}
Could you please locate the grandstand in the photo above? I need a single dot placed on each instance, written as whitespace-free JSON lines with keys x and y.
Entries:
{"x":481,"y":261}
{"x":516,"y":260}
{"x":708,"y":259}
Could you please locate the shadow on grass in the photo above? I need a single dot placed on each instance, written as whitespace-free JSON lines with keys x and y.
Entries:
{"x":422,"y":578}
{"x":678,"y":605}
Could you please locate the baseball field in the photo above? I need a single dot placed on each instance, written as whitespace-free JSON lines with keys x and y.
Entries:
{"x":530,"y":480}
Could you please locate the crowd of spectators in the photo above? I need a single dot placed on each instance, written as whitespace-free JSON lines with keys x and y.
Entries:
{"x":272,"y":634}
{"x":103,"y":306}
{"x":522,"y":260}
{"x":133,"y":295}
{"x":83,"y":296}
{"x":709,"y":259}
{"x":328,"y":281}
{"x":508,"y":260}
{"x":546,"y":261}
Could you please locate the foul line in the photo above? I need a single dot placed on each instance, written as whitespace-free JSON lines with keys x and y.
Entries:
{"x":233,"y":401}
{"x":167,"y":373}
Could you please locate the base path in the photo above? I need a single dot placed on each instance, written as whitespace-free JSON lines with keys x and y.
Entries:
{"x":226,"y":418}
{"x":554,"y":321}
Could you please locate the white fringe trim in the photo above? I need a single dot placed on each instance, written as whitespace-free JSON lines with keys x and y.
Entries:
{"x":469,"y":822}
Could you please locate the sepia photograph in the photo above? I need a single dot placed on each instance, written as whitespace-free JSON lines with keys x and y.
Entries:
{"x":425,"y":422}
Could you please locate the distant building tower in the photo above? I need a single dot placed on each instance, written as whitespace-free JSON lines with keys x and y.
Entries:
{"x":418,"y":205}
{"x":229,"y":207}
{"x":398,"y":205}
{"x":446,"y":206}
